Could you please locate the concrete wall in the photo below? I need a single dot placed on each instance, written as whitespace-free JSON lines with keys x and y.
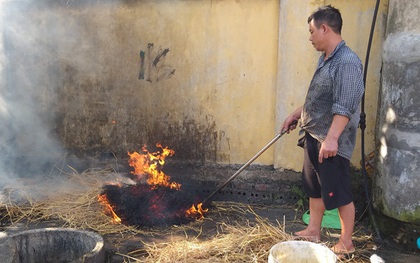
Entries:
{"x":205,"y":88}
{"x":398,"y":158}
{"x":210,"y":79}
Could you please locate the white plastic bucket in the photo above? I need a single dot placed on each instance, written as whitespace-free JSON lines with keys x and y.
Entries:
{"x":300,"y":252}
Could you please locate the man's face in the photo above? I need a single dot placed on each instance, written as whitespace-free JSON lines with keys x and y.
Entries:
{"x":317,"y":36}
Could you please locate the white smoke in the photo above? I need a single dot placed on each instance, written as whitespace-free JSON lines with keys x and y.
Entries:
{"x":44,"y":45}
{"x":28,"y":148}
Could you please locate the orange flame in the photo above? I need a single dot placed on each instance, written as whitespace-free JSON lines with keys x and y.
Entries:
{"x":108,"y":208}
{"x":197,"y":212}
{"x":149,"y":164}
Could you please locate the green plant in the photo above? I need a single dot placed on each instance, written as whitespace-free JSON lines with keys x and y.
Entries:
{"x":302,"y":200}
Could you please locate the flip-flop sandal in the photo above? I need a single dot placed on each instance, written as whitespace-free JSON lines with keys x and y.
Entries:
{"x":343,"y":253}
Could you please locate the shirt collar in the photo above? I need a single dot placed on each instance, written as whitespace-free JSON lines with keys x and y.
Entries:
{"x":342,"y":43}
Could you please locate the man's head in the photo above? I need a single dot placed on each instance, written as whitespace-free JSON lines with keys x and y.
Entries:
{"x":325,"y":28}
{"x":327,"y":15}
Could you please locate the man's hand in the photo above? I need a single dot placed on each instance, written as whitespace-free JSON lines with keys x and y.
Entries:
{"x":290,"y":123}
{"x":329,"y":148}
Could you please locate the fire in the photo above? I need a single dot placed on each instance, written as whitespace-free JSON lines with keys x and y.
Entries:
{"x":108,"y":208}
{"x":196,"y":211}
{"x":149,"y":164}
{"x":160,"y":199}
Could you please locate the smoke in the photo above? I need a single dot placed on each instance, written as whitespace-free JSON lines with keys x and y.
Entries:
{"x":48,"y":49}
{"x":29,"y":148}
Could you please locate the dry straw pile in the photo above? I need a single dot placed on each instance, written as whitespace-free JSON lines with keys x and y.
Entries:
{"x":249,"y":242}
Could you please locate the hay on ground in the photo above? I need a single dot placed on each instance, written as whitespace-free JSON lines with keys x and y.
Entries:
{"x":248,"y":242}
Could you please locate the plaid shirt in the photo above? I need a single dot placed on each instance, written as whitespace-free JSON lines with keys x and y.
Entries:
{"x":336,"y":88}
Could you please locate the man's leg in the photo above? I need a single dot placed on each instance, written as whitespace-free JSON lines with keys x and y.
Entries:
{"x":316,"y":212}
{"x":347,"y":217}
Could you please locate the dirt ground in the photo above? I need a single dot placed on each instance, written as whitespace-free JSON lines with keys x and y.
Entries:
{"x":397,"y":241}
{"x":240,"y":206}
{"x":117,"y":248}
{"x":388,"y":250}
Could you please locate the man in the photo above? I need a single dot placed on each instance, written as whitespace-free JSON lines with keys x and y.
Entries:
{"x":329,"y":118}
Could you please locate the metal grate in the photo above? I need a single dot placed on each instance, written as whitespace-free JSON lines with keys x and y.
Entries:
{"x":248,"y":192}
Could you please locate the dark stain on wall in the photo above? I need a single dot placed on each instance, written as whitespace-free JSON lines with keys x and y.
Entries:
{"x":192,"y":141}
{"x":94,"y":118}
{"x":95,"y":134}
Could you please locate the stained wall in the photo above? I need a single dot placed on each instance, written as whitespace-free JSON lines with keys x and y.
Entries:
{"x":210,"y":79}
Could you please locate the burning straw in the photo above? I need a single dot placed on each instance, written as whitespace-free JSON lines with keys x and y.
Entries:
{"x":79,"y":202}
{"x":75,"y":205}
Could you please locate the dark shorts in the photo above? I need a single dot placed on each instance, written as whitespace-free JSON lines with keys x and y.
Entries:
{"x":329,"y":180}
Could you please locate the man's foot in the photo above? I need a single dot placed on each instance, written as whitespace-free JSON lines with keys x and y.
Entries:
{"x":307,"y":235}
{"x":342,"y":251}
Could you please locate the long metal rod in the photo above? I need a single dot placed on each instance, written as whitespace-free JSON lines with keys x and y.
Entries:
{"x":244,"y":166}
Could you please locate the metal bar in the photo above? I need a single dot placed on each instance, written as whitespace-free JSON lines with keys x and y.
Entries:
{"x":245,"y":166}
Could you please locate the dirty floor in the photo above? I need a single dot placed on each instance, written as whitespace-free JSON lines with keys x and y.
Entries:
{"x":117,"y":248}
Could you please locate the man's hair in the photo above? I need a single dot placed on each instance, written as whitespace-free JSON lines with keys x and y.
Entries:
{"x":327,"y":15}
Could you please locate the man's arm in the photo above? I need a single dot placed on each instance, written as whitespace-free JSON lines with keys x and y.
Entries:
{"x":329,"y":146}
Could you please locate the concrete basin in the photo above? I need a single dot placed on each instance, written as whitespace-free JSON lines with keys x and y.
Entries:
{"x":57,"y":245}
